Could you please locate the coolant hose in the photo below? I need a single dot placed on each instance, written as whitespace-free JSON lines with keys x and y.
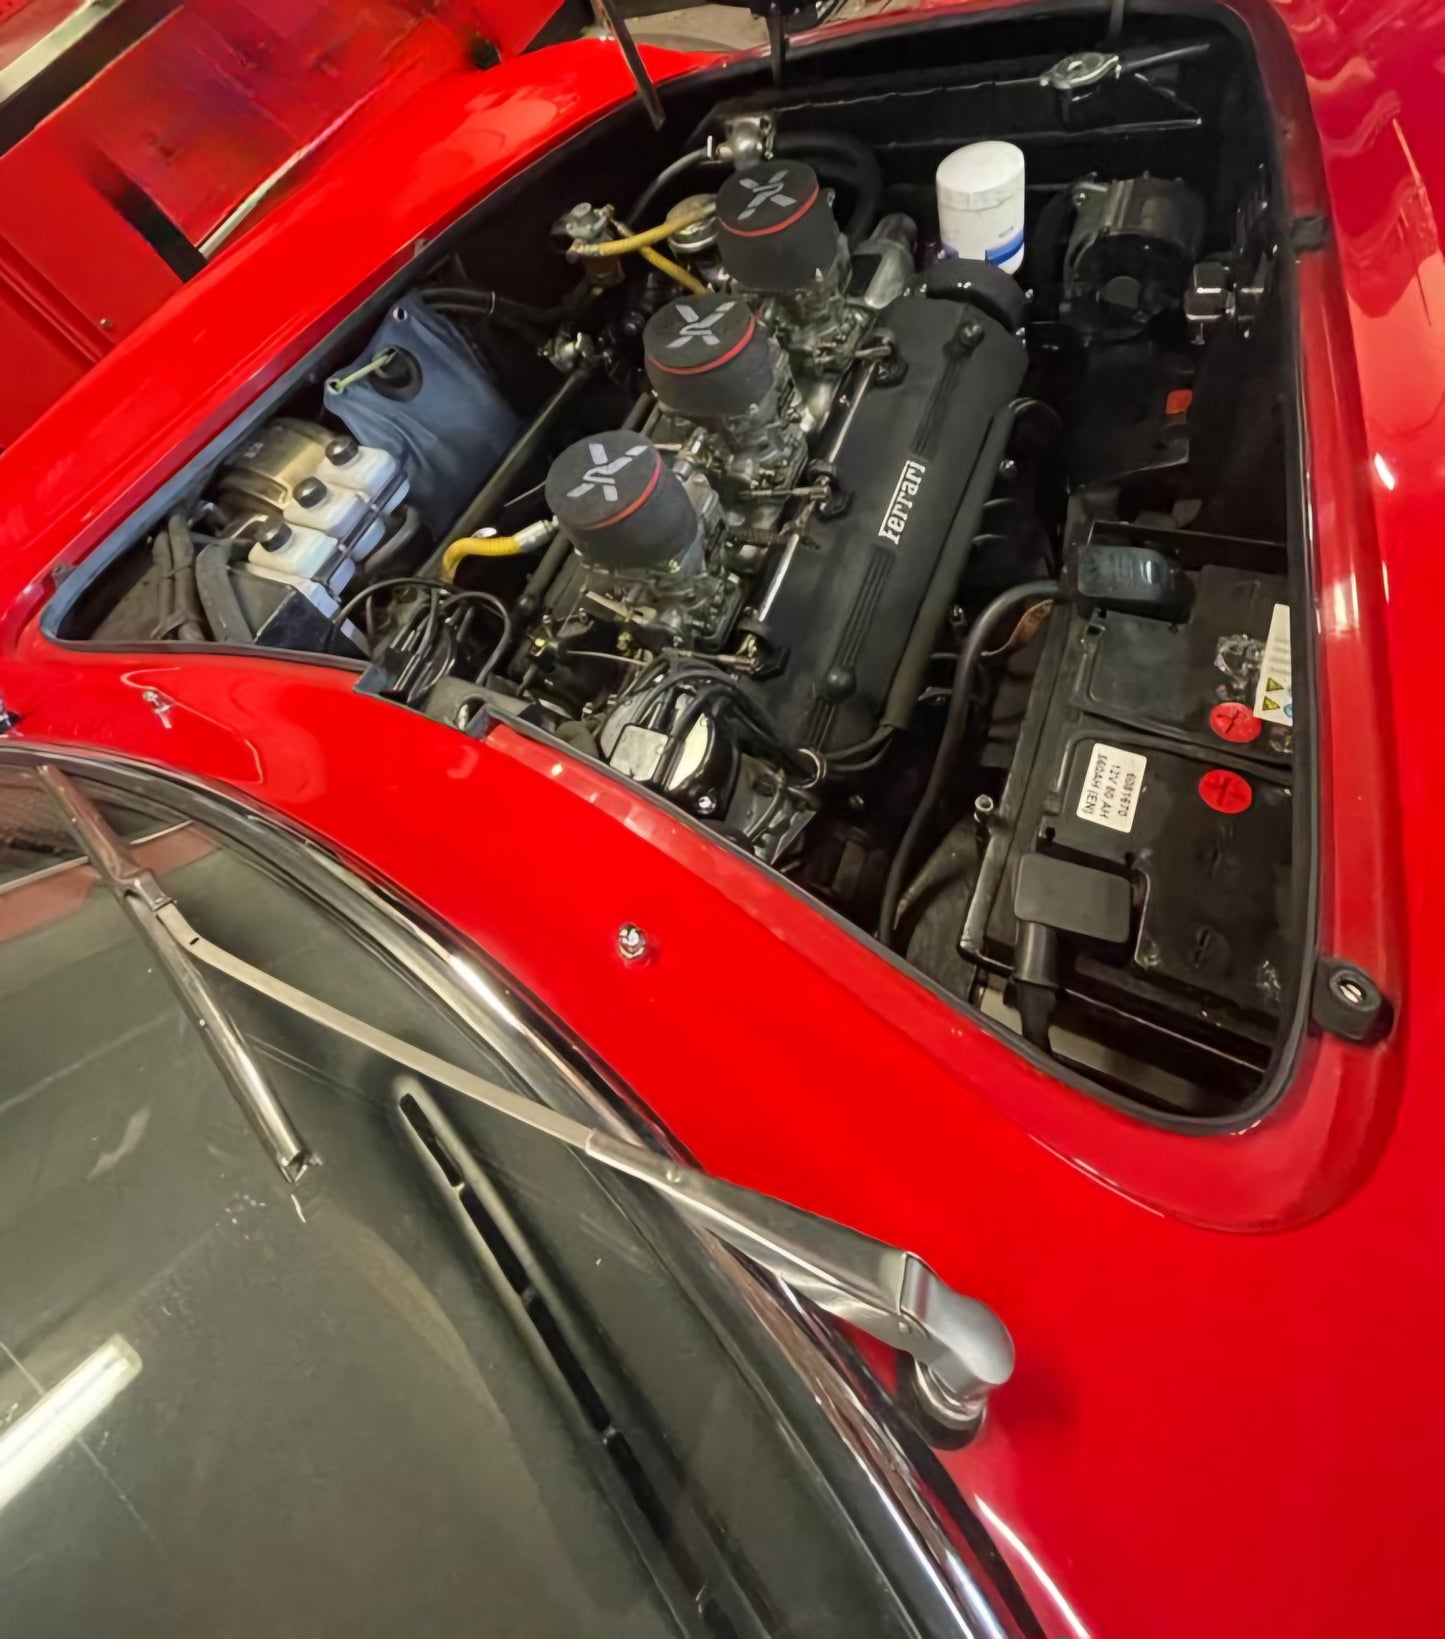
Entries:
{"x":845,"y":159}
{"x":908,"y":680}
{"x":218,"y":596}
{"x":479,"y":546}
{"x":953,"y":730}
{"x":183,"y":580}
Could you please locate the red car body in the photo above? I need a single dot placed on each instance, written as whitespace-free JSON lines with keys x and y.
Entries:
{"x":188,"y":109}
{"x":1226,"y":1417}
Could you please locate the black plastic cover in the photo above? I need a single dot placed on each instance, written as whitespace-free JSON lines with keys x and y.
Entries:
{"x":1136,"y":580}
{"x":853,"y":592}
{"x":707,"y":357}
{"x":620,"y":502}
{"x":776,"y":230}
{"x":1076,"y":899}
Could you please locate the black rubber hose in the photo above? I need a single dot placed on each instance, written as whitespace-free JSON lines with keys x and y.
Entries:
{"x":908,"y":680}
{"x":668,"y":174}
{"x":383,"y":560}
{"x":953,"y":730}
{"x":1048,"y":243}
{"x":490,"y":304}
{"x":846,"y":159}
{"x":183,"y":579}
{"x":218,"y":596}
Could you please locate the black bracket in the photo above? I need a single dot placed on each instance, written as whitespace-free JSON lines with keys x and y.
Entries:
{"x":1348,"y":1003}
{"x":1309,"y":233}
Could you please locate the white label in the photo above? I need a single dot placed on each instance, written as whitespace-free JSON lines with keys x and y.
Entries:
{"x":1274,"y":698}
{"x":905,"y":491}
{"x":1112,"y":783}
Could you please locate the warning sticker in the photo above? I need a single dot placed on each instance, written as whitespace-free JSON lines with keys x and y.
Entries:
{"x":1274,"y":697}
{"x":1112,"y":783}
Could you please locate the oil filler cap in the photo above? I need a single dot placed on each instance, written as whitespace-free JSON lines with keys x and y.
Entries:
{"x":621,"y":503}
{"x":707,"y":357}
{"x":775,"y":227}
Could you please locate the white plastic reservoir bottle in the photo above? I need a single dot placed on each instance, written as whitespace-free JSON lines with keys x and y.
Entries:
{"x":981,"y":204}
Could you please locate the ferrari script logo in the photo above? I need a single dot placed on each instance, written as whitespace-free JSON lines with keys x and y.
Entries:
{"x":602,"y":471}
{"x":697,"y":329}
{"x":762,"y":192}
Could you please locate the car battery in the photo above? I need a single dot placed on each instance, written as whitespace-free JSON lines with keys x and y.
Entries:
{"x":1142,"y":755}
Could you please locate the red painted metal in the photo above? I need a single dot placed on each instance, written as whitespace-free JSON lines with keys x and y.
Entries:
{"x":198,"y":113}
{"x":1227,"y":1417}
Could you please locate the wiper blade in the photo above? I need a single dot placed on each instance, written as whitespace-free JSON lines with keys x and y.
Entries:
{"x":144,"y":900}
{"x":962,"y":1349}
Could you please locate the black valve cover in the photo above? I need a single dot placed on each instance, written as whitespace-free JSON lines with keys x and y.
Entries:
{"x":853,"y":590}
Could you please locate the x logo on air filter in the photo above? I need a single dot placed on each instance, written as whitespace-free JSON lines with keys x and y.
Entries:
{"x":602,"y":471}
{"x":762,"y":192}
{"x":697,"y":329}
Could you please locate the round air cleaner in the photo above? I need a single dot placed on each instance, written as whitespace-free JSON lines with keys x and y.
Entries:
{"x":775,"y":228}
{"x":619,"y":501}
{"x":707,"y":357}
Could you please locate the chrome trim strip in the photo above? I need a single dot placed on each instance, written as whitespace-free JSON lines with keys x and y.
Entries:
{"x":51,"y":46}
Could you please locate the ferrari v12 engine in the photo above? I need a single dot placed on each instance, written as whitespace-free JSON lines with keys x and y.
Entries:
{"x":784,"y":527}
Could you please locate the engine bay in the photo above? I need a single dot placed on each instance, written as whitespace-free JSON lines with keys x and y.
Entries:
{"x":957,"y":589}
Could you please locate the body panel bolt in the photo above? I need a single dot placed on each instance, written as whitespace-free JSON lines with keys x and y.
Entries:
{"x":631,"y":942}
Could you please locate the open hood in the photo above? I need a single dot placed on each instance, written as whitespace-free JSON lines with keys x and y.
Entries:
{"x":148,"y":133}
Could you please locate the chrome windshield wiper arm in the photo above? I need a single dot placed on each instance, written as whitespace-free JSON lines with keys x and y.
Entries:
{"x":144,"y":900}
{"x":962,"y":1349}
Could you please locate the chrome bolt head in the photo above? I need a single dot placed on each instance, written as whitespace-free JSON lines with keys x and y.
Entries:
{"x":631,"y":942}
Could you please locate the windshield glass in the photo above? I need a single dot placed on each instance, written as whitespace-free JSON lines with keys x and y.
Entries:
{"x":450,"y":1372}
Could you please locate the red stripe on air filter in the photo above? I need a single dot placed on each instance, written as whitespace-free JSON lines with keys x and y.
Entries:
{"x":712,"y":364}
{"x":627,"y":511}
{"x":777,"y":227}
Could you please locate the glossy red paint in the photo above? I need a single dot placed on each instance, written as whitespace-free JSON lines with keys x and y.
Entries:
{"x":1226,"y":1418}
{"x":195,"y":108}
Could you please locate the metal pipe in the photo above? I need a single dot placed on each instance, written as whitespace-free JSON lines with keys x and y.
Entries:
{"x":830,"y":454}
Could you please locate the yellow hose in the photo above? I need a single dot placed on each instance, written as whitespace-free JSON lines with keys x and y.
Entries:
{"x":478,"y":546}
{"x":678,"y":220}
{"x":665,"y":265}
